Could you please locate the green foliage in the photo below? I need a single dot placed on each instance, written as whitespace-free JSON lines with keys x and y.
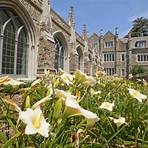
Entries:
{"x":140,"y":27}
{"x":137,"y":69}
{"x":73,"y":131}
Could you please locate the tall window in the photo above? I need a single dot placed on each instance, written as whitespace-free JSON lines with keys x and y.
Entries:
{"x":142,"y":57}
{"x":109,"y":57}
{"x":109,"y":71}
{"x":59,"y":54}
{"x":80,"y":58}
{"x":13,"y":43}
{"x":109,"y":44}
{"x":122,"y":57}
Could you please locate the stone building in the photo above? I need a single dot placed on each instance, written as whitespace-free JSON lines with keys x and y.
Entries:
{"x":33,"y":37}
{"x":119,"y":56}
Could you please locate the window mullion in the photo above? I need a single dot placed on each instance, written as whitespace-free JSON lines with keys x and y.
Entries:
{"x":15,"y":59}
{"x":1,"y":52}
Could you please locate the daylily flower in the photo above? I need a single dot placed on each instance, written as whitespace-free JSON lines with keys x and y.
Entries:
{"x":107,"y":105}
{"x":119,"y":121}
{"x":36,"y":82}
{"x":136,"y":94}
{"x":94,"y":92}
{"x":4,"y":80}
{"x":13,"y":82}
{"x":73,"y":108}
{"x":90,"y":81}
{"x":47,"y":98}
{"x":35,"y":122}
{"x":80,"y":76}
{"x":89,"y":115}
{"x":61,"y":94}
{"x":130,"y":76}
{"x":67,"y":78}
{"x":46,"y":72}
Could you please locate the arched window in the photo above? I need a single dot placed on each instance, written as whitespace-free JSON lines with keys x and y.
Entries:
{"x":80,"y":58}
{"x":90,"y":65}
{"x":13,"y":43}
{"x":59,"y":54}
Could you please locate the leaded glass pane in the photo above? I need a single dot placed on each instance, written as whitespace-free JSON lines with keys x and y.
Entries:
{"x":21,"y":53}
{"x":14,"y":43}
{"x":59,"y":54}
{"x":8,"y":50}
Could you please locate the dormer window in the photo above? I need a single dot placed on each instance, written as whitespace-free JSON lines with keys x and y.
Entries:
{"x":109,"y":44}
{"x":140,"y":44}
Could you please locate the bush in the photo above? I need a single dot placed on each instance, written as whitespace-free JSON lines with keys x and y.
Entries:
{"x":137,"y":69}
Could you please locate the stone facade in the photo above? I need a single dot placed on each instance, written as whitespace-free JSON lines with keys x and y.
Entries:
{"x":119,"y":56}
{"x":44,"y":25}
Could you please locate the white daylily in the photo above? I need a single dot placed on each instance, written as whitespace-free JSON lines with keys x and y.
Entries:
{"x":107,"y":105}
{"x":80,"y":75}
{"x":47,"y":98}
{"x":119,"y":121}
{"x":46,"y":71}
{"x":136,"y":94}
{"x":72,"y":107}
{"x":89,"y":115}
{"x":90,"y":81}
{"x":13,"y":82}
{"x":75,"y":109}
{"x":61,"y":94}
{"x":35,"y":122}
{"x":93,"y":92}
{"x":4,"y":80}
{"x":67,"y":78}
{"x":130,"y":76}
{"x":36,"y":82}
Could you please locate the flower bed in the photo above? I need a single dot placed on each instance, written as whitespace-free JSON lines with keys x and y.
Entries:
{"x":73,"y":111}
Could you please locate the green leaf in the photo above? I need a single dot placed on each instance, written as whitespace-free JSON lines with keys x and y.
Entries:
{"x":10,"y":141}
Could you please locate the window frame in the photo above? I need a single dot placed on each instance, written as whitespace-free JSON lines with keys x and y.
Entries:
{"x":17,"y":31}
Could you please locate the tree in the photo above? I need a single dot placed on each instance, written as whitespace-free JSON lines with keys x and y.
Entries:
{"x":140,"y":27}
{"x":137,"y":69}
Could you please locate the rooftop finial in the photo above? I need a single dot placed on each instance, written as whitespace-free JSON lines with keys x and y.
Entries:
{"x":71,"y":17}
{"x":85,"y":31}
{"x":116,"y":31}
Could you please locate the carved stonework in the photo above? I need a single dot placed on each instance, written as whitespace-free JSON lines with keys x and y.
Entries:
{"x":33,"y":11}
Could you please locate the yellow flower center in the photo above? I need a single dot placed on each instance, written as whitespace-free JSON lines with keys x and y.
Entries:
{"x":36,"y":121}
{"x":135,"y":93}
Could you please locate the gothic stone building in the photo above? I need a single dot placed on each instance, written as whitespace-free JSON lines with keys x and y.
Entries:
{"x":119,"y":56}
{"x":33,"y":37}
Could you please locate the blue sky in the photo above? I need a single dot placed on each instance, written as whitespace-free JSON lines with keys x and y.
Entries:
{"x":102,"y":14}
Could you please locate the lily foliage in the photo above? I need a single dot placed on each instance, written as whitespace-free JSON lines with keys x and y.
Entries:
{"x":76,"y":110}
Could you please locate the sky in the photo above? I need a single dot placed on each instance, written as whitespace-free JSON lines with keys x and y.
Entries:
{"x":102,"y":14}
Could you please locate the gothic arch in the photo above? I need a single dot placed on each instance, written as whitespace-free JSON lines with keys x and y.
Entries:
{"x":60,"y":37}
{"x":80,"y":58}
{"x":90,"y":64}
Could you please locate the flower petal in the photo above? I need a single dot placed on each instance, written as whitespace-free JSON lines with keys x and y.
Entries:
{"x":29,"y":130}
{"x":26,"y":116}
{"x":89,"y":115}
{"x":43,"y":130}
